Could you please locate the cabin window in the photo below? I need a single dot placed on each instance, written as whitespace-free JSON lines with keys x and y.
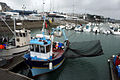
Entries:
{"x":17,"y":34}
{"x":32,"y":47}
{"x":48,"y":48}
{"x":37,"y":48}
{"x":14,"y":14}
{"x":42,"y":48}
{"x":24,"y":34}
{"x":21,"y":35}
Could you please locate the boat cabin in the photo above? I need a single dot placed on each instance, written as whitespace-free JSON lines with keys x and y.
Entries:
{"x":40,"y":49}
{"x":22,"y":37}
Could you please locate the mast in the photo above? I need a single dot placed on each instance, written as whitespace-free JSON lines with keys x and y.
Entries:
{"x":43,"y":30}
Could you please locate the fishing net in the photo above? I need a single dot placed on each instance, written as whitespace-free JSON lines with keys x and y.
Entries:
{"x":84,"y":49}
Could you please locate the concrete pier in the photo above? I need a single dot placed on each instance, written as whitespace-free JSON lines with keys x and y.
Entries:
{"x":8,"y":75}
{"x":14,"y":62}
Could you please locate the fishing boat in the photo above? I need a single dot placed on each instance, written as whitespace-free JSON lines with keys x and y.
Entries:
{"x":114,"y":65}
{"x":14,"y":45}
{"x":46,"y":54}
{"x":17,"y":44}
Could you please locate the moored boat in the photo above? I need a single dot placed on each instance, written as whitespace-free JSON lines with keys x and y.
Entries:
{"x":87,"y":28}
{"x":96,"y":29}
{"x":17,"y":44}
{"x":114,"y":65}
{"x":115,"y":31}
{"x":46,"y":54}
{"x":79,"y":28}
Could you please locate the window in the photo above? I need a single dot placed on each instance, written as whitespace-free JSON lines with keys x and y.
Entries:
{"x":37,"y":48}
{"x":17,"y":34}
{"x":24,"y":34}
{"x":48,"y":48}
{"x":42,"y":48}
{"x":32,"y":47}
{"x":20,"y":34}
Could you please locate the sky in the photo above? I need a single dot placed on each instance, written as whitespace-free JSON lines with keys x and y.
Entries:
{"x":107,"y":8}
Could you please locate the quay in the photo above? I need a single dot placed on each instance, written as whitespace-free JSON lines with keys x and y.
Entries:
{"x":8,"y":75}
{"x":5,"y":72}
{"x":14,"y":62}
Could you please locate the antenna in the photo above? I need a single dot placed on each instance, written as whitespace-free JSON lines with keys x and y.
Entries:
{"x":73,"y":7}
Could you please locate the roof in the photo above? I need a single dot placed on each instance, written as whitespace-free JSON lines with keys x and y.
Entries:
{"x":40,"y":41}
{"x":21,"y":12}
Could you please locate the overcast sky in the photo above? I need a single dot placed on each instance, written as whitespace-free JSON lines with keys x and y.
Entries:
{"x":107,"y":8}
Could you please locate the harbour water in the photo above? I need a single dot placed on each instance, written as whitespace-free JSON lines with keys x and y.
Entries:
{"x":85,"y":68}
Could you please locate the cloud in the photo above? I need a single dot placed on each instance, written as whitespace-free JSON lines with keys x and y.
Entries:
{"x":102,"y":7}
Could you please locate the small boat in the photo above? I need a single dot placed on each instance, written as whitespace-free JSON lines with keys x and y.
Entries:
{"x":70,"y":26}
{"x":106,"y":32}
{"x":87,"y":28}
{"x":96,"y":29}
{"x":61,"y":26}
{"x":45,"y":54}
{"x":79,"y":28}
{"x":115,"y":31}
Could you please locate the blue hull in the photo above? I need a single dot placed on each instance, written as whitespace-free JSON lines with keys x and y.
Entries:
{"x":41,"y":70}
{"x":41,"y":67}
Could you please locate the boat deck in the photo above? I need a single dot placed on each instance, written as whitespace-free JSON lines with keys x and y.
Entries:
{"x":57,"y":53}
